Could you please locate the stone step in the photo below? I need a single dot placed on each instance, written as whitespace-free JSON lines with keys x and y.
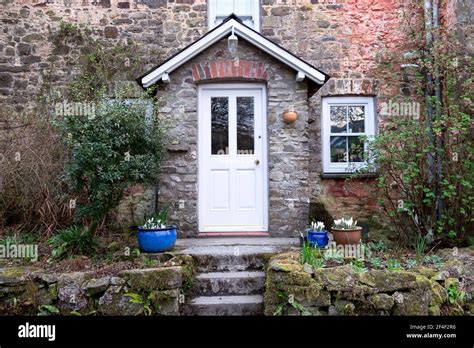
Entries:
{"x":225,"y":305}
{"x":229,"y":283}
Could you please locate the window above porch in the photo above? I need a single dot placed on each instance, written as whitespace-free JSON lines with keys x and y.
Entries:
{"x":248,"y":12}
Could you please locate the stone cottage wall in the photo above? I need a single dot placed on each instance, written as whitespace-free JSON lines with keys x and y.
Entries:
{"x":342,"y":38}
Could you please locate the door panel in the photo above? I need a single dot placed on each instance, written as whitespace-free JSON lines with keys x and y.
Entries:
{"x":233,"y":192}
{"x":220,"y":190}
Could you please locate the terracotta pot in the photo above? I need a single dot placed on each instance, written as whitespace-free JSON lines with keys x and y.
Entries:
{"x":345,"y":237}
{"x":290,"y":116}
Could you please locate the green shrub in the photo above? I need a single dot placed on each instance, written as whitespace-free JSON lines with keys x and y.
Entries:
{"x":120,"y":146}
{"x":73,"y":241}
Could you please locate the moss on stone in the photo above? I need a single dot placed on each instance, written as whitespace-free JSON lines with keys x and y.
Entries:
{"x":388,"y":280}
{"x":381,"y":301}
{"x":152,"y":279}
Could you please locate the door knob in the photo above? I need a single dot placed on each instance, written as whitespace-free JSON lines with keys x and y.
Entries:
{"x":257,"y":162}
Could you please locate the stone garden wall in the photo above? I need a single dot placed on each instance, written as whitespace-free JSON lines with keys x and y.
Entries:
{"x":151,"y":291}
{"x":341,"y":291}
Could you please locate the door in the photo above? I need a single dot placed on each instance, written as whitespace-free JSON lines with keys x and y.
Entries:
{"x":233,"y":189}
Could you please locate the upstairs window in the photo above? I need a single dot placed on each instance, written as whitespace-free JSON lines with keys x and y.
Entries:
{"x":247,"y":10}
{"x":347,"y":124}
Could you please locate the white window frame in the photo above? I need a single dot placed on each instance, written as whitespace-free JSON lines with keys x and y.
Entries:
{"x":211,"y":14}
{"x":369,"y":124}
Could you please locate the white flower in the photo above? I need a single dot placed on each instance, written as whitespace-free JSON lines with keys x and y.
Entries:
{"x":317,"y":226}
{"x":345,"y":224}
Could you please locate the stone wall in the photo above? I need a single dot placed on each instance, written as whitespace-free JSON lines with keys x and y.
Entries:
{"x":151,"y":291}
{"x":342,"y":38}
{"x":340,"y":290}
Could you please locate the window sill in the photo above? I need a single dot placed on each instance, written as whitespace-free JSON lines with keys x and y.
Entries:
{"x":347,"y":175}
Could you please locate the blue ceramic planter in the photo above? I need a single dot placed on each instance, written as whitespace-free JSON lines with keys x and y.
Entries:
{"x":156,"y":241}
{"x":318,"y":239}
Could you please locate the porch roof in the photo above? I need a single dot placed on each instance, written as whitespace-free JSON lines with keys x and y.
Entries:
{"x":302,"y":68}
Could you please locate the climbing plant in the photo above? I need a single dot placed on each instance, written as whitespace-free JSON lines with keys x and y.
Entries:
{"x":425,"y":160}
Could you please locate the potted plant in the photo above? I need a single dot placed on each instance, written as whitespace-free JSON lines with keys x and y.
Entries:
{"x":156,"y":236}
{"x":317,"y":235}
{"x":345,"y":231}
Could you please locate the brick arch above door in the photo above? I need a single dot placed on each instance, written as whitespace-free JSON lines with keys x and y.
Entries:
{"x":230,"y":69}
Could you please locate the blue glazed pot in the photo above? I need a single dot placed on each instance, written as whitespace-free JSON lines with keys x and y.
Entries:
{"x":318,"y":239}
{"x":156,"y":241}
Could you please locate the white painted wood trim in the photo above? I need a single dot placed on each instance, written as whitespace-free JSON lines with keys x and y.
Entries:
{"x":243,"y":32}
{"x":370,"y":120}
{"x":211,"y":14}
{"x":265,"y":163}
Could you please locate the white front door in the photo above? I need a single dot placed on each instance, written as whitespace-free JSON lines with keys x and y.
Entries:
{"x":233,"y":189}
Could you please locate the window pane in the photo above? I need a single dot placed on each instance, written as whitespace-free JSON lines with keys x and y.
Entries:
{"x":356,"y":119}
{"x":243,"y":7}
{"x":245,"y":125}
{"x":338,"y":149}
{"x":224,"y":7}
{"x":338,"y":119}
{"x":220,"y":125}
{"x":356,"y":149}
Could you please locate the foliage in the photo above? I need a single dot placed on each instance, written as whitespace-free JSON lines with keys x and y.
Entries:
{"x":377,"y":246}
{"x":311,"y":256}
{"x":146,"y":302}
{"x":334,"y":255}
{"x":455,"y":295}
{"x":420,"y":245}
{"x":410,"y":263}
{"x":120,"y":146}
{"x":393,"y":264}
{"x":434,"y":260}
{"x":45,"y":309}
{"x":288,"y":300}
{"x":73,"y":240}
{"x":358,"y":266}
{"x":375,"y":262}
{"x":425,"y":161}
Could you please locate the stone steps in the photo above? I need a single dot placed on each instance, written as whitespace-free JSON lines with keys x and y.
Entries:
{"x":230,"y":275}
{"x":229,"y":262}
{"x":226,"y":305}
{"x":229,"y":283}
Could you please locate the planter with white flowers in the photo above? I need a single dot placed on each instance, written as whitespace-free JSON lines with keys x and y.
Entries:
{"x":317,"y":235}
{"x":345,"y":231}
{"x":156,"y":236}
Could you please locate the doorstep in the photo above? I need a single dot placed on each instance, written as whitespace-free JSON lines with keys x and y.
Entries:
{"x":232,"y":234}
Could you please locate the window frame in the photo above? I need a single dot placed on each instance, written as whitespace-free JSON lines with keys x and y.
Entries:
{"x":212,"y":9}
{"x":369,"y":125}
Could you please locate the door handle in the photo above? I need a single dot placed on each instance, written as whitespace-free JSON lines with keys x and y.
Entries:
{"x":257,"y":162}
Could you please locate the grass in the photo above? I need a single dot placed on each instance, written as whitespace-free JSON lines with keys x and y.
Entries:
{"x":311,"y":256}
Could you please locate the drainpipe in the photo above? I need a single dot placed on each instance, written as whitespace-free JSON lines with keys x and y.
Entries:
{"x":439,"y":140}
{"x":429,"y":86}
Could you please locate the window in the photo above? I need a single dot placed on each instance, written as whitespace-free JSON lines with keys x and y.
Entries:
{"x":247,"y":10}
{"x":346,"y":122}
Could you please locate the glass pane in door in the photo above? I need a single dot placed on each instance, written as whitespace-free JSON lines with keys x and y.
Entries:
{"x":245,"y":126}
{"x":220,"y":125}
